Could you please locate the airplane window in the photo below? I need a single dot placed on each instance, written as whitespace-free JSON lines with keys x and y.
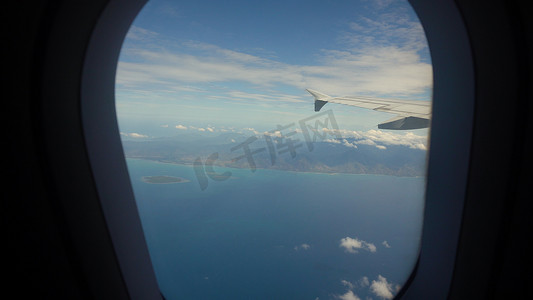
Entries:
{"x":277,"y":150}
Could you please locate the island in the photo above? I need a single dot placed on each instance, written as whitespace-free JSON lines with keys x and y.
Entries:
{"x":162,"y":179}
{"x":333,"y":156}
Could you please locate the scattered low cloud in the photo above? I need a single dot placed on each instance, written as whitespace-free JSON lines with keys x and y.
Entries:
{"x":333,"y":141}
{"x":348,"y":144}
{"x":386,"y":244}
{"x":353,"y":245}
{"x":349,"y":296}
{"x":303,"y":246}
{"x":252,"y":130}
{"x":382,"y":288}
{"x":276,"y":133}
{"x":347,"y":284}
{"x":364,"y":282}
{"x":181,"y":127}
{"x":134,"y":135}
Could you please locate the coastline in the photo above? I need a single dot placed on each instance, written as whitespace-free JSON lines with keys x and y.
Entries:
{"x":292,"y":171}
{"x":147,"y":179}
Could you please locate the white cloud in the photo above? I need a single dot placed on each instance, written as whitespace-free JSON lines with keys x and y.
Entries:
{"x":210,"y":129}
{"x":137,"y":135}
{"x":393,"y":29}
{"x":380,"y":4}
{"x":133,"y":135}
{"x":382,"y":288}
{"x":138,"y":33}
{"x":181,"y":127}
{"x":164,"y":126}
{"x":348,"y":144}
{"x":201,"y":129}
{"x":349,"y":296}
{"x":363,"y":282}
{"x":381,"y":139}
{"x":386,"y":244}
{"x":276,"y":133}
{"x":382,"y":55}
{"x":352,"y":245}
{"x":382,"y":71}
{"x":347,"y":284}
{"x":235,"y":95}
{"x":252,"y":130}
{"x":333,"y":141}
{"x":303,"y":246}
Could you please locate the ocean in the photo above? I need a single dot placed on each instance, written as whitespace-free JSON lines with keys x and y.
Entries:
{"x":273,"y":234}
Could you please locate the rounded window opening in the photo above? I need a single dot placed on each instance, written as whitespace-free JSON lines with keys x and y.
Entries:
{"x":277,"y":150}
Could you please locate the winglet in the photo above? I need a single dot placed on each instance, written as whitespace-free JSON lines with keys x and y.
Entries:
{"x":320,"y":99}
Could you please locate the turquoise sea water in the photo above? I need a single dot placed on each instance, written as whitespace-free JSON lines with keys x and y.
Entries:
{"x":242,"y":238}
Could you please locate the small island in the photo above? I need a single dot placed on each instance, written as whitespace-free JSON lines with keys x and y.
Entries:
{"x":162,"y":179}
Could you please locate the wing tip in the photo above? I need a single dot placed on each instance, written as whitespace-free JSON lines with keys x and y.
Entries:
{"x":320,"y":98}
{"x":318,"y":95}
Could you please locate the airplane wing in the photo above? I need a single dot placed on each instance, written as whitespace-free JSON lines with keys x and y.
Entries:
{"x":411,"y":114}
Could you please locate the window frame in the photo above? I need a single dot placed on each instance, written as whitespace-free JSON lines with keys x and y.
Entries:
{"x":449,"y":152}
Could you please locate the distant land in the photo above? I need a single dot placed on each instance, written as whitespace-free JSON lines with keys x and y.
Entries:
{"x":326,"y":157}
{"x":163,"y":179}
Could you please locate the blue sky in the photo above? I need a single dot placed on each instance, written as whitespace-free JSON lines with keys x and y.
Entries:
{"x":246,"y":64}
